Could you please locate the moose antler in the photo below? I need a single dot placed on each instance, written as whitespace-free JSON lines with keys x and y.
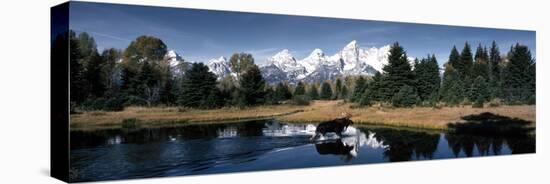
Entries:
{"x":345,"y":115}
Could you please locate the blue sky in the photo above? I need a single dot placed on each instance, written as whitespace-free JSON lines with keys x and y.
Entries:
{"x":200,"y":35}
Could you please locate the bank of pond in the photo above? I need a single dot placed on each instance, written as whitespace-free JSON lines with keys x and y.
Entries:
{"x":140,"y":152}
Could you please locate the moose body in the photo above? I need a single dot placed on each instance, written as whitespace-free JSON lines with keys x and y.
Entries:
{"x":336,"y":126}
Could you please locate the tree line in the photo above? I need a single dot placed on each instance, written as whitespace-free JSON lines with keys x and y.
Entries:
{"x":468,"y":79}
{"x":142,"y":75}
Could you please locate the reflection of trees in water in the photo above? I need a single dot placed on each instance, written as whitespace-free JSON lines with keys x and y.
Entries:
{"x":489,"y":145}
{"x":404,"y":143}
{"x":487,"y":131}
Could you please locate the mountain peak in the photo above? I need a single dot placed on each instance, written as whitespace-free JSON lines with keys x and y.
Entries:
{"x":352,"y":44}
{"x":317,"y":52}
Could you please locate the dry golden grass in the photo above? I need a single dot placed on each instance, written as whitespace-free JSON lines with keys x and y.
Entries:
{"x":418,"y":117}
{"x":99,"y":119}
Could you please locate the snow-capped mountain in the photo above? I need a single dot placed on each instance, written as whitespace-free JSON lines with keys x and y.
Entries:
{"x":317,"y":66}
{"x":177,"y":64}
{"x":351,"y":60}
{"x":220,"y":66}
{"x":287,"y":64}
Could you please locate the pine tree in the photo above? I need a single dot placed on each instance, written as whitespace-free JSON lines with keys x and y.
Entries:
{"x":252,"y":86}
{"x":495,"y":73}
{"x":481,"y":65}
{"x":454,"y":57}
{"x":466,"y":62}
{"x":480,"y":91}
{"x":326,"y":91}
{"x":427,"y":78}
{"x":406,"y":97}
{"x":397,"y":72}
{"x":313,"y":92}
{"x":519,"y":76}
{"x":282,"y":92}
{"x":359,"y":90}
{"x":375,"y":88}
{"x":198,"y":85}
{"x":77,"y":92}
{"x":92,"y":75}
{"x":300,"y":89}
{"x":338,"y":88}
{"x":366,"y":99}
{"x":452,"y":89}
{"x":344,"y":92}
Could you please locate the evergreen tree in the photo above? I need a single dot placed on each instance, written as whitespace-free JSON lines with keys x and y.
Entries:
{"x":375,"y":88}
{"x":397,"y":72}
{"x":519,"y":76}
{"x":92,"y":75}
{"x":454,"y":57}
{"x":452,"y":89}
{"x":252,"y":86}
{"x":168,"y":93}
{"x":481,"y":65}
{"x":270,"y":98}
{"x":282,"y":92}
{"x":427,"y":78}
{"x":198,"y":85}
{"x":300,"y":89}
{"x":359,"y":90}
{"x":313,"y":92}
{"x":466,"y":61}
{"x":326,"y":91}
{"x":495,"y":73}
{"x":77,"y":92}
{"x":344,"y":92}
{"x":406,"y":97}
{"x":480,"y":91}
{"x":338,"y":88}
{"x":366,"y":99}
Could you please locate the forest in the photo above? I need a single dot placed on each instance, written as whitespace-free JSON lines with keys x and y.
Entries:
{"x":141,"y":75}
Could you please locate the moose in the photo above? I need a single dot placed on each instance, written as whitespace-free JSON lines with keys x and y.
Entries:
{"x":336,"y":126}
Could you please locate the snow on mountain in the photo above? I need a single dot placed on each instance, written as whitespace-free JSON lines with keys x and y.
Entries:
{"x":177,"y":64}
{"x":351,"y":60}
{"x":220,"y":66}
{"x":287,"y":63}
{"x":311,"y":63}
{"x":317,"y":66}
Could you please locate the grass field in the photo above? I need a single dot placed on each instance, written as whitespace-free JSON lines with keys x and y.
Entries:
{"x":418,"y":117}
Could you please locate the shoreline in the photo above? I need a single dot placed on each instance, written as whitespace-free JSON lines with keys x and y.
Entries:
{"x":318,"y":111}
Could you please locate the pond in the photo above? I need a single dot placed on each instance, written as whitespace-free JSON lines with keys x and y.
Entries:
{"x":265,"y":145}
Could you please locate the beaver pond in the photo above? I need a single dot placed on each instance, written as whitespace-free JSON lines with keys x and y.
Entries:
{"x":265,"y":145}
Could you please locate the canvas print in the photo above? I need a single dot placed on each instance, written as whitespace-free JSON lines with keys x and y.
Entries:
{"x":160,"y":91}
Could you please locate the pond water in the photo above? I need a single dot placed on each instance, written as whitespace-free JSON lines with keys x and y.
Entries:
{"x":264,"y":145}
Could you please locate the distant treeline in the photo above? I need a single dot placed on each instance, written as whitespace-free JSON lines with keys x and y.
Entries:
{"x":142,"y":75}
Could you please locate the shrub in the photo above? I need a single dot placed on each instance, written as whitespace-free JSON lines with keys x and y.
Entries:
{"x":495,"y":102}
{"x":129,"y":123}
{"x":114,"y":104}
{"x":478,"y":103}
{"x":301,"y":100}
